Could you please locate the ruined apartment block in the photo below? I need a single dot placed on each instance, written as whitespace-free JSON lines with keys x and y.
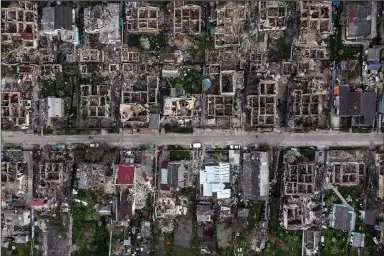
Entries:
{"x":23,"y":69}
{"x":316,"y":16}
{"x":91,"y":55}
{"x":50,"y":70}
{"x":186,"y":18}
{"x":50,"y":176}
{"x":220,"y":106}
{"x":300,"y":179}
{"x":142,"y":19}
{"x":309,"y":103}
{"x":14,"y":110}
{"x":95,"y":101}
{"x":14,"y":179}
{"x":345,"y":174}
{"x":262,"y":106}
{"x":19,"y":22}
{"x":230,"y":25}
{"x":128,"y":55}
{"x":296,"y":216}
{"x":316,"y":53}
{"x":272,"y":16}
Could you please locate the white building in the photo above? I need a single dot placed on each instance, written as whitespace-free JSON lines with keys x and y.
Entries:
{"x":215,"y":180}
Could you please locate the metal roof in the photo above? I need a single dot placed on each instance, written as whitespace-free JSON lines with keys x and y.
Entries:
{"x":126,"y":174}
{"x":215,"y":179}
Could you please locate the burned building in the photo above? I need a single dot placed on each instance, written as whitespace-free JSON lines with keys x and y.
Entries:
{"x":104,"y":21}
{"x":91,"y":55}
{"x":311,"y":243}
{"x":297,"y":216}
{"x":95,"y":101}
{"x":91,"y":176}
{"x":141,"y":18}
{"x":309,"y":104}
{"x":272,"y":16}
{"x":19,"y":24}
{"x":186,"y":18}
{"x":301,"y":179}
{"x":15,"y":111}
{"x":204,"y":212}
{"x":316,"y":17}
{"x":345,"y":174}
{"x":230,"y":25}
{"x":261,"y":105}
{"x":14,"y":178}
{"x":255,"y":176}
{"x":167,"y":207}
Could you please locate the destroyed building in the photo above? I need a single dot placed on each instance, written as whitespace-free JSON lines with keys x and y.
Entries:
{"x":51,"y":176}
{"x":90,"y":176}
{"x":316,"y":18}
{"x":301,"y":179}
{"x":309,"y":104}
{"x":179,"y":107}
{"x":175,"y":175}
{"x":215,"y":181}
{"x":95,"y":101}
{"x":141,"y":18}
{"x":261,"y":105}
{"x":14,"y":176}
{"x":311,"y":242}
{"x":167,"y":207}
{"x":186,"y":18}
{"x":104,"y":21}
{"x":140,"y":89}
{"x":204,"y":212}
{"x":297,"y":216}
{"x":230,"y":25}
{"x":255,"y":176}
{"x":272,"y":16}
{"x":15,"y":111}
{"x":19,"y":24}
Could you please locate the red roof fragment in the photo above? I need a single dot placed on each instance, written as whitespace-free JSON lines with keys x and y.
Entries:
{"x":126,"y":174}
{"x":37,"y":202}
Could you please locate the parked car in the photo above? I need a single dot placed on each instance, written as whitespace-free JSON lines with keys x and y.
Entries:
{"x":94,"y":145}
{"x":195,"y":145}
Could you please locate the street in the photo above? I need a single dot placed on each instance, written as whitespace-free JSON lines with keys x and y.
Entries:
{"x":283,"y":139}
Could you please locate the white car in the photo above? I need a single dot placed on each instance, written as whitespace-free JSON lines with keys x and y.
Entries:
{"x":234,"y":146}
{"x":94,"y":145}
{"x":195,"y":145}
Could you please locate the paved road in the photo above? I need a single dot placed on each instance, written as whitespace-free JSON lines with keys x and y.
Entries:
{"x":212,"y":138}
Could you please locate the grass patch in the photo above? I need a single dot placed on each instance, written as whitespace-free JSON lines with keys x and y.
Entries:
{"x":155,"y":40}
{"x":178,"y":155}
{"x":361,"y":130}
{"x":190,"y":81}
{"x":254,"y":214}
{"x":178,"y":129}
{"x":282,"y":241}
{"x":20,"y":249}
{"x":90,"y":233}
{"x":335,"y":242}
{"x":352,"y":195}
{"x":308,"y":153}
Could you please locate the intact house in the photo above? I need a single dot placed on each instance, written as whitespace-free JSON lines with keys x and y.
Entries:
{"x":342,"y":217}
{"x":359,"y":105}
{"x":255,"y":176}
{"x":174,"y":175}
{"x":60,"y":20}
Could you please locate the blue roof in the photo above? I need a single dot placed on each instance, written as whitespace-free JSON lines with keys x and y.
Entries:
{"x":372,"y":65}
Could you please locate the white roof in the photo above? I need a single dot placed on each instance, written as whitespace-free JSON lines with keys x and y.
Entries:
{"x":55,"y":107}
{"x":213,"y":177}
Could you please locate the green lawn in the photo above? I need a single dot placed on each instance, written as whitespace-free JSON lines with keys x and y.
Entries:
{"x":335,"y":242}
{"x":177,"y":155}
{"x":90,"y":233}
